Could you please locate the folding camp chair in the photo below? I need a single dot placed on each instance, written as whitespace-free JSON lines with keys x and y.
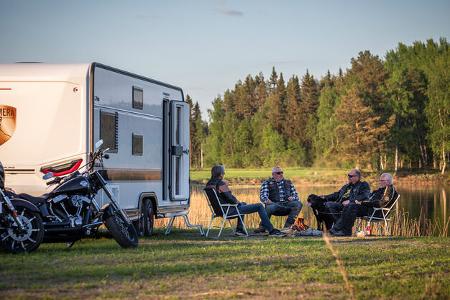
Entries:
{"x":222,"y":210}
{"x":381,"y":214}
{"x":188,"y":224}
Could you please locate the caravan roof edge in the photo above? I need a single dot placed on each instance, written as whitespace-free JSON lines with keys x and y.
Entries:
{"x":100,"y":65}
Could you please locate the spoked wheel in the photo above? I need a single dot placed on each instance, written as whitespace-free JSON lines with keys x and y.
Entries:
{"x":124,"y":233}
{"x":28,"y":239}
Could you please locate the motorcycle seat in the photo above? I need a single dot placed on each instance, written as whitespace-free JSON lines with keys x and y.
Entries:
{"x":35,"y":200}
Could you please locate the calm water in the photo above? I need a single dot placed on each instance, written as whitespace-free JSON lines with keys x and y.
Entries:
{"x":425,"y":202}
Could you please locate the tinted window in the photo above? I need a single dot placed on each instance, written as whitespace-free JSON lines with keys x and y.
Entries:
{"x":137,"y":147}
{"x":138,"y":98}
{"x":109,"y":125}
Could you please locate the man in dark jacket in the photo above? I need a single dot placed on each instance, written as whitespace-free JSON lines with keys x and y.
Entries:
{"x":216,"y":182}
{"x":327,"y":208}
{"x":382,"y":197}
{"x":280,"y":197}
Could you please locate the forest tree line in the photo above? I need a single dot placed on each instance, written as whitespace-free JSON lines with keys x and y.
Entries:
{"x":379,"y":114}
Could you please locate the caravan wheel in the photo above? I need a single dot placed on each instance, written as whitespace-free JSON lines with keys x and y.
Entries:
{"x":148,"y":217}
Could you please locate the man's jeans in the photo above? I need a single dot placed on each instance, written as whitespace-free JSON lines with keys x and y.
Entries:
{"x":335,"y":209}
{"x":246,"y":209}
{"x":349,"y":215}
{"x":289,"y":208}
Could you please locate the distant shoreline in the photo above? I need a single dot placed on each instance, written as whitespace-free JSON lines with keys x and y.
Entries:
{"x":323,"y":177}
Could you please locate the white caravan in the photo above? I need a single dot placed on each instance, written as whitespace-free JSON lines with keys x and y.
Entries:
{"x":51,"y":115}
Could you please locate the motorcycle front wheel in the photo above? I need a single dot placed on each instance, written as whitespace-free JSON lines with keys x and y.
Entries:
{"x":124,"y":233}
{"x":27,"y":239}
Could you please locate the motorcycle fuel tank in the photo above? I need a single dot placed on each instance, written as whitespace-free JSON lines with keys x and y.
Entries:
{"x":77,"y":185}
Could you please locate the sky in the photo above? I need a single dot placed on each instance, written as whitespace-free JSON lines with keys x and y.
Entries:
{"x":205,"y":47}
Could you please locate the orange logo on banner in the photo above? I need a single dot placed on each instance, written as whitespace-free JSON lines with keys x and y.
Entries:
{"x":7,"y":123}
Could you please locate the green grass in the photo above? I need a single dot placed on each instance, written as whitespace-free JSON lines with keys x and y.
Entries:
{"x":185,"y":265}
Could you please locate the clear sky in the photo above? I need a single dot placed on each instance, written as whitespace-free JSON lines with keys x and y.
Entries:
{"x":206,"y":46}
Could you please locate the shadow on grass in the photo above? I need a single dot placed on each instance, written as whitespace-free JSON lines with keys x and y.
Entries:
{"x":365,"y":240}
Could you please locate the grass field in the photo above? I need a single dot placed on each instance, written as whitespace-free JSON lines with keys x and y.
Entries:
{"x":185,"y":265}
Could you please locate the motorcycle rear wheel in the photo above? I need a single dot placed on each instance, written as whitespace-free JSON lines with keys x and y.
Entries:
{"x":125,"y":234}
{"x":29,"y":239}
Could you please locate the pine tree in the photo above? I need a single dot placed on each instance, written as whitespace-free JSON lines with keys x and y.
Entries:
{"x":229,"y":100}
{"x":272,"y":146}
{"x":273,"y":80}
{"x":260,"y":92}
{"x":308,"y":108}
{"x":214,"y":152}
{"x":327,"y":80}
{"x":325,"y":138}
{"x":244,"y":143}
{"x":291,"y":124}
{"x":368,"y":76}
{"x":229,"y":145}
{"x":276,"y":105}
{"x":357,"y":130}
{"x":244,"y":106}
{"x":197,"y":136}
{"x":191,"y":124}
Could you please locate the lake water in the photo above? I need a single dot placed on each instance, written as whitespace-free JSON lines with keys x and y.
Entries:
{"x":424,"y":202}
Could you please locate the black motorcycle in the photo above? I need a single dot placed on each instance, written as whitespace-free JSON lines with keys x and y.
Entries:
{"x":21,"y":228}
{"x":70,"y":212}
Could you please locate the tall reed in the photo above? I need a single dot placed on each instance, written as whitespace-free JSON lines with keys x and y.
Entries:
{"x":399,"y":225}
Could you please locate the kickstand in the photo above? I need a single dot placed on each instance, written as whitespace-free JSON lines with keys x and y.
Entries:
{"x":70,"y":244}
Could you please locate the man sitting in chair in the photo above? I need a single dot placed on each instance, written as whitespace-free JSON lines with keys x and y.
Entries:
{"x":216,"y":182}
{"x":380,"y":198}
{"x":280,"y":197}
{"x":328,"y":208}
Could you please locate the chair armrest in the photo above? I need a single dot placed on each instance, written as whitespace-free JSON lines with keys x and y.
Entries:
{"x":229,"y":205}
{"x":377,"y":208}
{"x":381,"y":208}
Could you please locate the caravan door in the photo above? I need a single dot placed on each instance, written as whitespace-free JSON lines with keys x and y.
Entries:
{"x":179,"y":151}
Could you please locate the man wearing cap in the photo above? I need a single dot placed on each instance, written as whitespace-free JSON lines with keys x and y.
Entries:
{"x":280,"y":198}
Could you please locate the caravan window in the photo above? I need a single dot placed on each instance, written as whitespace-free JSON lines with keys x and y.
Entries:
{"x":138,"y":98}
{"x":109,"y":126}
{"x":137,"y":146}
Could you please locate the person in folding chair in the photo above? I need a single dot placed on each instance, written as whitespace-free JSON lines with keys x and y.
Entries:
{"x":382,"y":197}
{"x":280,"y":198}
{"x":328,"y":208}
{"x":216,"y":182}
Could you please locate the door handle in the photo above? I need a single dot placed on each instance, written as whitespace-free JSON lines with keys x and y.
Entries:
{"x":178,"y":150}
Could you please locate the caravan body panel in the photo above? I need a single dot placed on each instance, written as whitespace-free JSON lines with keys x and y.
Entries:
{"x":50,"y":103}
{"x":62,"y":110}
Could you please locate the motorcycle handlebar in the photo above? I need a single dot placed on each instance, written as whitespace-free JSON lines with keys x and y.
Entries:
{"x":99,"y":154}
{"x":54,"y":181}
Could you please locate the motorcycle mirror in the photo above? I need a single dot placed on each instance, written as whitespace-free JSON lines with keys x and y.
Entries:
{"x":47,"y":175}
{"x":98,"y":144}
{"x":106,"y":156}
